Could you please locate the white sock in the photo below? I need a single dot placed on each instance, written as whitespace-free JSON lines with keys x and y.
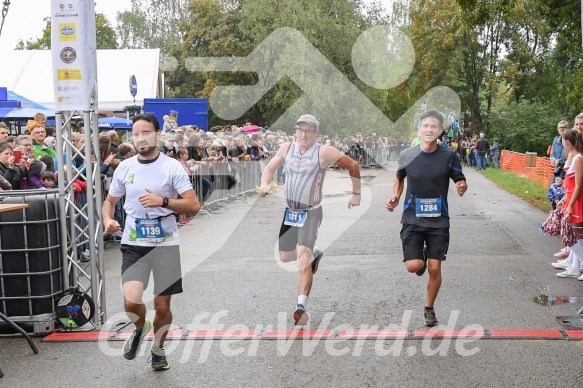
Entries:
{"x":303,"y":300}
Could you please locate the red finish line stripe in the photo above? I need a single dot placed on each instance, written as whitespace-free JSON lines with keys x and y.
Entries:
{"x":93,"y":336}
{"x":223,"y":334}
{"x":298,"y":333}
{"x":441,"y":333}
{"x":388,"y":334}
{"x":71,"y":336}
{"x":525,"y":334}
{"x":575,"y":334}
{"x":172,"y":334}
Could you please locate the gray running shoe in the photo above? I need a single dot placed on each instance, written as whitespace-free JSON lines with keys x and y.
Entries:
{"x":430,"y":319}
{"x":422,"y":270}
{"x":300,"y":315}
{"x":159,"y":360}
{"x":132,"y":345}
{"x":317,"y":257}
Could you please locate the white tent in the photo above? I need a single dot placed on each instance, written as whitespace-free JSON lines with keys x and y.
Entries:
{"x":29,"y":73}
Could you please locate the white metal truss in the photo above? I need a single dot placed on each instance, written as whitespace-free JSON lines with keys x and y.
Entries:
{"x":81,"y":228}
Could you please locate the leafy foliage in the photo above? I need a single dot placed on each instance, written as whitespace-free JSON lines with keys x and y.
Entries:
{"x":105,"y":36}
{"x":524,"y":126}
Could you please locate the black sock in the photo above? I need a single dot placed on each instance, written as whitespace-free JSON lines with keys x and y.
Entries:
{"x":428,"y":308}
{"x":139,"y":331}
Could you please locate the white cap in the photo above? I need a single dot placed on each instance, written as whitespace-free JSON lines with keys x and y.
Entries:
{"x":309,"y":119}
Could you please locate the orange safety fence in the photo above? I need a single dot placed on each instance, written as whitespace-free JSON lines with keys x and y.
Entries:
{"x":516,"y":162}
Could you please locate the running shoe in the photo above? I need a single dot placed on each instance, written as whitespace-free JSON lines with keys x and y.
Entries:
{"x":159,"y":360}
{"x":430,"y":319}
{"x":317,"y":257}
{"x":132,"y":345}
{"x":422,"y":270}
{"x":300,"y":315}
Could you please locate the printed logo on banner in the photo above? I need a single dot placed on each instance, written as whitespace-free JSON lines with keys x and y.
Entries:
{"x":62,"y":99}
{"x":68,"y":55}
{"x":68,"y":89}
{"x":69,"y":74}
{"x":62,"y":6}
{"x":67,"y":32}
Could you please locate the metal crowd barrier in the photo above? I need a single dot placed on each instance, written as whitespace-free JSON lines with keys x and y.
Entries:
{"x":230,"y":181}
{"x":371,"y":157}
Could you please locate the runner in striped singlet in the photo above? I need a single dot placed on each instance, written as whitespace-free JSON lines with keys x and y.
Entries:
{"x":305,"y":163}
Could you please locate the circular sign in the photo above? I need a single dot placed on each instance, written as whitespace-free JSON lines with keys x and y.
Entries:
{"x":133,"y":85}
{"x":68,"y":55}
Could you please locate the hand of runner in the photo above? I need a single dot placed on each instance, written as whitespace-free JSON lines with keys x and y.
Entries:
{"x":461,"y":187}
{"x":392,"y":203}
{"x":111,"y":226}
{"x":264,"y":190}
{"x":353,"y":201}
{"x":151,"y":199}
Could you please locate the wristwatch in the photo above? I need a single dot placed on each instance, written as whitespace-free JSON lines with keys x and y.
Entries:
{"x":165,"y":201}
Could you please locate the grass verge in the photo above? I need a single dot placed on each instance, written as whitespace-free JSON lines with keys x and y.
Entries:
{"x":529,"y":191}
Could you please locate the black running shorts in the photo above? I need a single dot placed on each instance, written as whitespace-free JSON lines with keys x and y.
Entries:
{"x":163,"y":261}
{"x":414,"y":237}
{"x":292,"y":236}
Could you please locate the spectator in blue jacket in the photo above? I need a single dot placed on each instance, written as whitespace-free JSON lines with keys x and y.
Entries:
{"x":557,"y":155}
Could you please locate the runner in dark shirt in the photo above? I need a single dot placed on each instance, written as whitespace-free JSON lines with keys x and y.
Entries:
{"x":425,"y":232}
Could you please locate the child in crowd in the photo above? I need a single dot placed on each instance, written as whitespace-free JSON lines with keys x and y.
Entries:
{"x":48,"y":179}
{"x":34,"y":172}
{"x":556,"y":192}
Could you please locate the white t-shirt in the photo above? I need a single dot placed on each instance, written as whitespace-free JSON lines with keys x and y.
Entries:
{"x":165,"y":176}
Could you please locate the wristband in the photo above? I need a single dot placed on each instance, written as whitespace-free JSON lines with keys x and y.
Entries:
{"x":355,"y":193}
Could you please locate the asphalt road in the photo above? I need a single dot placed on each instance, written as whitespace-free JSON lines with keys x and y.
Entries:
{"x":497,"y":276}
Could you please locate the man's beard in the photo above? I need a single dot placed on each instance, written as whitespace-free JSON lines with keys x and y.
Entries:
{"x":148,"y":151}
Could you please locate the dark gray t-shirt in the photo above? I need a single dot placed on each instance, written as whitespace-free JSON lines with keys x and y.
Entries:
{"x":428,"y":177}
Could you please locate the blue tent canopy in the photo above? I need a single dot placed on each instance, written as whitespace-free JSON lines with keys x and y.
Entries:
{"x":24,"y":113}
{"x":25,"y":102}
{"x":114,"y":123}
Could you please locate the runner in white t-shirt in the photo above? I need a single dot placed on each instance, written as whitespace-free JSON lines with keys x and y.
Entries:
{"x":155,"y":188}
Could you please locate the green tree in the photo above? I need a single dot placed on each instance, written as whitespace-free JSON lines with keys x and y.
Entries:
{"x":105,"y":36}
{"x":42,"y":43}
{"x":210,"y":30}
{"x":524,"y":125}
{"x":152,"y":24}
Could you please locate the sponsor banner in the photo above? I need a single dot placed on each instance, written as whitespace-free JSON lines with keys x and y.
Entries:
{"x":73,"y":50}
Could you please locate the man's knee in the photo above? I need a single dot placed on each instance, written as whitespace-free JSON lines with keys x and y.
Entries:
{"x":162,"y":304}
{"x":304,"y":257}
{"x":413,"y":265}
{"x":434,"y":268}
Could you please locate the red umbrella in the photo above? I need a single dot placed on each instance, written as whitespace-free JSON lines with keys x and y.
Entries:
{"x":251,"y":128}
